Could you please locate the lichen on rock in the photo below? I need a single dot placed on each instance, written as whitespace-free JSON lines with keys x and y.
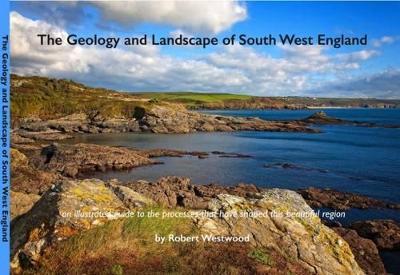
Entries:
{"x":289,"y":227}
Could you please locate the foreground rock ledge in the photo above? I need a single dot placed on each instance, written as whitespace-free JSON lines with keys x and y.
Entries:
{"x":306,"y":241}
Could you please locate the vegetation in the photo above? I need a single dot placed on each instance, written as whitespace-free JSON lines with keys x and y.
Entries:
{"x":261,"y":256}
{"x":51,"y":98}
{"x":128,"y":247}
{"x":191,"y":99}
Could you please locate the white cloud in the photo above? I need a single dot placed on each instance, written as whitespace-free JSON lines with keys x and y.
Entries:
{"x":385,"y":84}
{"x":138,"y":68}
{"x":383,"y":40}
{"x":206,"y":16}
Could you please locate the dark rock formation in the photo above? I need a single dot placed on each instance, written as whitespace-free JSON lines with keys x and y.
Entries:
{"x":364,"y":250}
{"x":322,"y":118}
{"x":72,"y":160}
{"x":26,"y":178}
{"x":317,"y":197}
{"x":287,"y":165}
{"x":384,"y":233}
{"x":48,"y":135}
{"x":154,"y":153}
{"x":230,"y":155}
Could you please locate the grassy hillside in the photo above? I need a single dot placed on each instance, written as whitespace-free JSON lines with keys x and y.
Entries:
{"x":49,"y":98}
{"x":235,"y":101}
{"x":128,"y":247}
{"x":194,"y":99}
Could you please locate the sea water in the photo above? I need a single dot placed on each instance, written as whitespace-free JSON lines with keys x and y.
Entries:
{"x":364,"y":160}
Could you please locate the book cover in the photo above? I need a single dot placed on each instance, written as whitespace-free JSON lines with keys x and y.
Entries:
{"x":200,"y":137}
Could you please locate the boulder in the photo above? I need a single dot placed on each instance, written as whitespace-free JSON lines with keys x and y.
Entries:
{"x":64,"y":210}
{"x":285,"y":224}
{"x":179,"y":191}
{"x":384,"y":233}
{"x":26,"y":178}
{"x":129,"y":198}
{"x":322,"y":118}
{"x":21,"y":203}
{"x":72,"y":160}
{"x":364,"y":250}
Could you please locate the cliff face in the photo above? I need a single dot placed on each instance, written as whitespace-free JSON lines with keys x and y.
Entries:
{"x":303,"y":244}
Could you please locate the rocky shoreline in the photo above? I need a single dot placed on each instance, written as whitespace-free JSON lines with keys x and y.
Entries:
{"x":167,"y":121}
{"x":159,"y":119}
{"x":51,"y":178}
{"x":44,"y":226}
{"x":45,"y":183}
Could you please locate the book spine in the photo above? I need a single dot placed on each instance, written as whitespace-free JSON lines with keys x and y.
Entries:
{"x":5,"y":138}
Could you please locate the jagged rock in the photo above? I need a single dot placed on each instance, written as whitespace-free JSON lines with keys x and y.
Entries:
{"x":28,"y":179}
{"x":67,"y":208}
{"x":302,"y":238}
{"x":129,"y":198}
{"x":308,"y":244}
{"x":334,"y":199}
{"x":322,"y":118}
{"x":384,"y":233}
{"x":178,"y":191}
{"x":166,"y":118}
{"x":230,"y":155}
{"x":71,"y":160}
{"x":287,"y":165}
{"x":154,"y":153}
{"x":21,"y":203}
{"x":17,"y":159}
{"x":364,"y":250}
{"x":48,"y":135}
{"x":80,"y":123}
{"x":18,"y":139}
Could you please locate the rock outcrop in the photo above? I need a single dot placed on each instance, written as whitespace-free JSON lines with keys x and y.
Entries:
{"x":321,"y":118}
{"x":72,"y":160}
{"x":177,"y":191}
{"x":56,"y":217}
{"x":158,"y":119}
{"x":364,"y":250}
{"x":286,"y":224}
{"x":334,"y":199}
{"x":26,"y":178}
{"x":80,"y":123}
{"x":21,"y":203}
{"x":72,"y":207}
{"x":384,"y":233}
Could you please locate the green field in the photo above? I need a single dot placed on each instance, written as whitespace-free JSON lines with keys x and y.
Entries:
{"x":48,"y":98}
{"x":192,"y":98}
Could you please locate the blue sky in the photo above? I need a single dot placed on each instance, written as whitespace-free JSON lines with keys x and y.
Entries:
{"x":351,"y":71}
